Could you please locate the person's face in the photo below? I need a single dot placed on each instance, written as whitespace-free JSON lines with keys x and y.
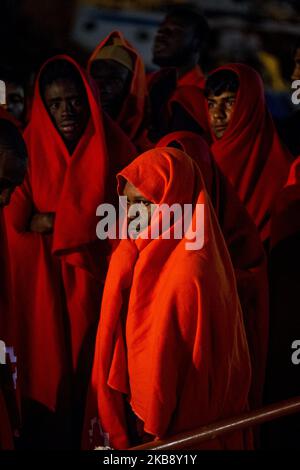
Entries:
{"x":112,"y":80}
{"x":296,"y":71}
{"x":220,"y":109}
{"x":136,"y":201}
{"x":173,"y":43}
{"x":15,"y":100}
{"x":12,"y":173}
{"x":68,"y":107}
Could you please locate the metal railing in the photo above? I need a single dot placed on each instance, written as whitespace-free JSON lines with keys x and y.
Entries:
{"x":191,"y":439}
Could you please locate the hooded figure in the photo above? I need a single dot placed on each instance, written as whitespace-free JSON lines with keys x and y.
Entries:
{"x":171,"y":350}
{"x":58,"y":264}
{"x":245,"y":144}
{"x":119,"y":73}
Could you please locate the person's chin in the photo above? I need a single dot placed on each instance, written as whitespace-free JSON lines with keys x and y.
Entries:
{"x":162,"y":60}
{"x":219,"y":133}
{"x":69,"y":137}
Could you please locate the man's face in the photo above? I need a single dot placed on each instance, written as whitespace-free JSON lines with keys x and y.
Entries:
{"x":137,"y":202}
{"x":296,"y":72}
{"x":68,"y":107}
{"x":12,"y":172}
{"x":173,"y":43}
{"x":220,"y":109}
{"x":15,"y":100}
{"x":112,"y":79}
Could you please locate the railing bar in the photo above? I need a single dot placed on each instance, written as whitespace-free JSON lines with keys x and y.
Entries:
{"x":211,"y":431}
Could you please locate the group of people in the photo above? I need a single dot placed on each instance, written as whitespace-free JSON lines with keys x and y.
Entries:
{"x":118,"y":342}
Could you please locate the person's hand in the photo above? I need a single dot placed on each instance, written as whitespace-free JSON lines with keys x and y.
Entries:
{"x":42,"y":223}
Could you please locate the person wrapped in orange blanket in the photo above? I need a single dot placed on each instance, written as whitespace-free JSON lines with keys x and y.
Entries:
{"x":119,"y":73}
{"x":171,"y":350}
{"x":246,"y":145}
{"x":58,"y":264}
{"x":13,"y":157}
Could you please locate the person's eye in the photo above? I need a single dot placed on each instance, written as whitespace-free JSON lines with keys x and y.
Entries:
{"x":54,"y":106}
{"x":230,"y":103}
{"x":210,"y":104}
{"x":16,"y":100}
{"x":146,"y":203}
{"x":76,"y":102}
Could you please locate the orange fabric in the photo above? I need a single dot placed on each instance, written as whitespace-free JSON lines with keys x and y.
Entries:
{"x":132,"y":114}
{"x":246,"y":252}
{"x":194,"y":77}
{"x":189,"y":94}
{"x":285,"y":216}
{"x":57,"y":278}
{"x":168,"y":339}
{"x":250,"y":153}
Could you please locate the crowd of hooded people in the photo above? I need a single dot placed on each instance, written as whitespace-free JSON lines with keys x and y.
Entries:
{"x":119,"y":342}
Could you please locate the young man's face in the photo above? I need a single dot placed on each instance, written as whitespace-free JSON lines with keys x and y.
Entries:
{"x":136,"y":200}
{"x":15,"y":100}
{"x":12,"y":172}
{"x":220,"y":109}
{"x":68,"y":107}
{"x":173,"y":42}
{"x":296,"y":71}
{"x":112,"y":80}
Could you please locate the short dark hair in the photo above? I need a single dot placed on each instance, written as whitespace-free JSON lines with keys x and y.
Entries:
{"x":57,"y":70}
{"x":11,"y":136}
{"x":191,"y":14}
{"x":221,"y":81}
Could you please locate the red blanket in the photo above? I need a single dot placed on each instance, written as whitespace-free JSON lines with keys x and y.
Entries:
{"x":171,"y":339}
{"x":250,"y":153}
{"x":57,"y":278}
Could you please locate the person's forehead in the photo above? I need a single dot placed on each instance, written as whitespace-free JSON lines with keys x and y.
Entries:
{"x":222,"y":96}
{"x":177,"y":22}
{"x":62,"y":85}
{"x":105,"y":67}
{"x":14,"y":88}
{"x":132,"y":191}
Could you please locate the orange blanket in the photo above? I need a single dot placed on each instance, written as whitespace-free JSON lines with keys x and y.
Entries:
{"x":171,"y":339}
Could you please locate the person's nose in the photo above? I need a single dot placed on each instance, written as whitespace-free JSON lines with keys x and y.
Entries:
{"x":219,"y":112}
{"x":66,"y":109}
